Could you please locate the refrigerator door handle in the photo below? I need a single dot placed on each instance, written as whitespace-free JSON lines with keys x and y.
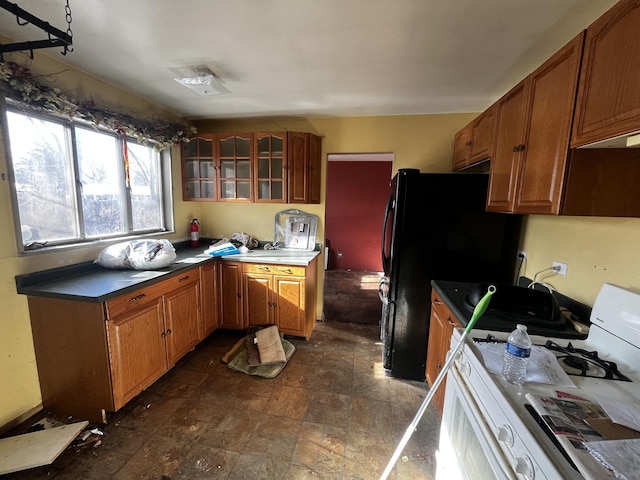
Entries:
{"x":383,"y":290}
{"x":386,"y":260}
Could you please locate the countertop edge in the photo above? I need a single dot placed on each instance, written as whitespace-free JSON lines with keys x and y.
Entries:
{"x":74,"y":282}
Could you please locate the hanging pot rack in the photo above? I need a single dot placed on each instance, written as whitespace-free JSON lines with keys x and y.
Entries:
{"x":57,"y":38}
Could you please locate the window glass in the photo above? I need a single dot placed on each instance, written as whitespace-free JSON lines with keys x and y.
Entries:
{"x":101,"y":183}
{"x":146,"y":191}
{"x":44,"y":180}
{"x":72,"y":185}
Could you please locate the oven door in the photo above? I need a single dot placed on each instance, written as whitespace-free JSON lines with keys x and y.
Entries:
{"x":467,"y":448}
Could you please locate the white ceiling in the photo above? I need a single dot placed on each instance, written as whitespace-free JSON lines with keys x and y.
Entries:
{"x":314,"y":58}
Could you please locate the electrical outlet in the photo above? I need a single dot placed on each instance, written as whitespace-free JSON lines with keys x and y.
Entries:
{"x":522,"y":254}
{"x":563,"y":268}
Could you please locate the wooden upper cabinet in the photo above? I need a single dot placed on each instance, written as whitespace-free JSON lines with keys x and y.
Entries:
{"x":505,"y":164}
{"x":548,"y":127}
{"x":305,"y":150}
{"x":475,"y":142}
{"x":270,"y":167}
{"x":315,"y":168}
{"x":532,"y":150}
{"x":234,"y":154}
{"x":273,"y":167}
{"x":608,"y":102}
{"x":462,"y":148}
{"x":484,"y":135}
{"x":199,"y":179}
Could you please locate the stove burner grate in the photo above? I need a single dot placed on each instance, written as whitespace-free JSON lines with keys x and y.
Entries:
{"x":586,"y":361}
{"x":581,"y":362}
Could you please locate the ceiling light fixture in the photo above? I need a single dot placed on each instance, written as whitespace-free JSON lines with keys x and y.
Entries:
{"x":201,"y":80}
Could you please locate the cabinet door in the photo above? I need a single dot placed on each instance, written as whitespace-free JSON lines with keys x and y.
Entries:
{"x":544,"y":160}
{"x":270,"y":167}
{"x":608,"y":102}
{"x":436,"y":351}
{"x":231,"y":295}
{"x":315,"y":168}
{"x":462,"y":148}
{"x":235,"y":153}
{"x":199,"y":180}
{"x":505,"y":164}
{"x":290,"y":305}
{"x":208,"y":299}
{"x":484,"y":136}
{"x":258,"y":299}
{"x":298,"y":167}
{"x":182,"y":318}
{"x":137,"y":351}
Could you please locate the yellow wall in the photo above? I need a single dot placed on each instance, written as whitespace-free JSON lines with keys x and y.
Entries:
{"x":597,"y":250}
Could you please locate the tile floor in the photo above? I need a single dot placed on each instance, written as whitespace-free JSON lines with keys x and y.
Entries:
{"x":331,"y":414}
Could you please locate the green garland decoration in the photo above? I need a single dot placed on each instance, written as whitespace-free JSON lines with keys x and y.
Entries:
{"x":19,"y":84}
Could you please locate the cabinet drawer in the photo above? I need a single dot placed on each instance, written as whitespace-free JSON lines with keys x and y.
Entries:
{"x":133,"y":300}
{"x":146,"y":295}
{"x":296,"y":271}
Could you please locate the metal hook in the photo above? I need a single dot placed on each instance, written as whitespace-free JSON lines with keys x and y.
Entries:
{"x":21,"y":24}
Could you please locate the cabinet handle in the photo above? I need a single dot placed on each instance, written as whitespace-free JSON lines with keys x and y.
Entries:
{"x":286,"y":270}
{"x":451,"y":322}
{"x":518,"y":148}
{"x":163,"y":335}
{"x":469,"y":143}
{"x":184,"y":278}
{"x":437,"y":302}
{"x":238,"y":294}
{"x":264,"y":269}
{"x":439,"y":367}
{"x":138,"y":297}
{"x":168,"y":331}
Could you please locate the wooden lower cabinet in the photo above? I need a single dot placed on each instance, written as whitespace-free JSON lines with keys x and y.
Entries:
{"x":208,"y":299}
{"x":282,"y":295}
{"x":440,"y":330}
{"x":94,"y":357}
{"x":231,"y":315}
{"x":137,"y":351}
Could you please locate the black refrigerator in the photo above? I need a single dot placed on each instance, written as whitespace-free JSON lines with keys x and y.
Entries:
{"x":436,"y":228}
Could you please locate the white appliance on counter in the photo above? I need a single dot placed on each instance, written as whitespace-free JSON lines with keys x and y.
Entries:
{"x":489,"y":429}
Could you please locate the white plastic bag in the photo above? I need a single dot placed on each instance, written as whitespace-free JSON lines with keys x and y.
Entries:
{"x":138,"y":255}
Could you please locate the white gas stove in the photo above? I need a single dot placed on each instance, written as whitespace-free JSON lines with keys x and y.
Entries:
{"x":489,"y":428}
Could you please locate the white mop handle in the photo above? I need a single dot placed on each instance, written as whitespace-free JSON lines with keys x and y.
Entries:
{"x":425,"y":403}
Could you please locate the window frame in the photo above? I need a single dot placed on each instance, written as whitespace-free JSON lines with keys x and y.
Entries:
{"x":69,"y":125}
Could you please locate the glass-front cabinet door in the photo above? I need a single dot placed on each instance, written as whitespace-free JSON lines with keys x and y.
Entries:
{"x":234,"y":155}
{"x":199,"y":169}
{"x":270,"y":167}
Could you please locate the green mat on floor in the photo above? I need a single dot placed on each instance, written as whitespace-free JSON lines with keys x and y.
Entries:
{"x":238,"y":359}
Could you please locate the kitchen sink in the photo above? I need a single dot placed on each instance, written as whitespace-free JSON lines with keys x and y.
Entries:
{"x":518,"y":304}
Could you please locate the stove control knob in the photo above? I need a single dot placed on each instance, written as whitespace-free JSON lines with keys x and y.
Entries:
{"x":524,"y":467}
{"x":505,"y":435}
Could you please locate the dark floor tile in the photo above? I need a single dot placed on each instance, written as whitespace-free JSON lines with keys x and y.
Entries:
{"x":331,"y":414}
{"x":328,"y":408}
{"x":255,"y":467}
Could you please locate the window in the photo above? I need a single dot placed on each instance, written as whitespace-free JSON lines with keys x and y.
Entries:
{"x":74,"y":183}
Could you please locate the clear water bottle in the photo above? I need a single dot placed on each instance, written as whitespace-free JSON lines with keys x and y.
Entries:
{"x":516,"y":356}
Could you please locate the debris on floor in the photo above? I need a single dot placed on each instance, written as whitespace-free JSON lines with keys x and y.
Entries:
{"x":37,"y":448}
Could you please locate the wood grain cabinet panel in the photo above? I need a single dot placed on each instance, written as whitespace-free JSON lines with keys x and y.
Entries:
{"x":505,"y":165}
{"x":182,"y":316}
{"x":231,"y":300}
{"x":208,"y":298}
{"x":608,"y":102}
{"x":282,"y":295}
{"x":137,"y":349}
{"x":475,"y":142}
{"x":441,"y":328}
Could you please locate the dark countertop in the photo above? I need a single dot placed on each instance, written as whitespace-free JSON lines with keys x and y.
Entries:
{"x":454,"y":294}
{"x":90,"y":282}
